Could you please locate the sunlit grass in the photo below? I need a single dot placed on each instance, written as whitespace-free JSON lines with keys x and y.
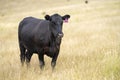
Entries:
{"x":90,"y":48}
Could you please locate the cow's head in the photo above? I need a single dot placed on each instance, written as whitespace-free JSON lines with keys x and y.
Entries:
{"x":56,"y":24}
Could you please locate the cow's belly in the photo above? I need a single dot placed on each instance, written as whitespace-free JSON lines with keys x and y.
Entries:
{"x":29,"y":46}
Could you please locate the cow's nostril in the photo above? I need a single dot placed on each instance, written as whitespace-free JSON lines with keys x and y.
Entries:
{"x":60,"y":35}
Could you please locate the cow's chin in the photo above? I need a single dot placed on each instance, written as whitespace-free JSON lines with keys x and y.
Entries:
{"x":58,"y":41}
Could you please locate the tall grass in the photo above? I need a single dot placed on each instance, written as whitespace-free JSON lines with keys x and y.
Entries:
{"x":90,"y":49}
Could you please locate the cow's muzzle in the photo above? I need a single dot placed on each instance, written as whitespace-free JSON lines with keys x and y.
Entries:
{"x":60,"y":35}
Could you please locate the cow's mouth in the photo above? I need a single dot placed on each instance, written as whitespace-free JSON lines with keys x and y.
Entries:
{"x":60,"y":35}
{"x":59,"y":38}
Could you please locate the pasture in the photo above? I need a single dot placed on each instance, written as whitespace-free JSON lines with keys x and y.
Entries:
{"x":90,"y":48}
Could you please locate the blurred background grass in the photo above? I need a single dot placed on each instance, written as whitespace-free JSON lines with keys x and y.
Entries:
{"x":90,"y":49}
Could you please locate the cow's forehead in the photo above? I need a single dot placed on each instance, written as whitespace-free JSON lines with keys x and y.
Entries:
{"x":56,"y":17}
{"x":56,"y":14}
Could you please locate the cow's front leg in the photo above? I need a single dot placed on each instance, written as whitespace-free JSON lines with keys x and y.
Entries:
{"x":54,"y":59}
{"x":41,"y":60}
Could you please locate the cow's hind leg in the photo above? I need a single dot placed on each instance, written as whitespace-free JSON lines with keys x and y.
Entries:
{"x":28,"y":57}
{"x":22,"y":54}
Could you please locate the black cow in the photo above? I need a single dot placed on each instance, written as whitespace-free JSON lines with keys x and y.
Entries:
{"x":42,"y":37}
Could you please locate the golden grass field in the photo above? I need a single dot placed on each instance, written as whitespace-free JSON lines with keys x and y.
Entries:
{"x":90,"y":49}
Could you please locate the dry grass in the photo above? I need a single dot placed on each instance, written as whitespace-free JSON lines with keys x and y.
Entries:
{"x":90,"y":49}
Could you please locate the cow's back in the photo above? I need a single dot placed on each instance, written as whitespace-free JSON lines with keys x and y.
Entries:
{"x":26,"y":26}
{"x":33,"y":32}
{"x":28,"y":22}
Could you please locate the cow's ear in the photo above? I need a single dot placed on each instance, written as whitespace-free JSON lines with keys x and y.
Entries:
{"x":47,"y":17}
{"x":65,"y":18}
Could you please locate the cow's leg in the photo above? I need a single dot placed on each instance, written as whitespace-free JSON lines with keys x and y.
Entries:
{"x":54,"y":59}
{"x":41,"y":60}
{"x":28,"y":57}
{"x":22,"y":53}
